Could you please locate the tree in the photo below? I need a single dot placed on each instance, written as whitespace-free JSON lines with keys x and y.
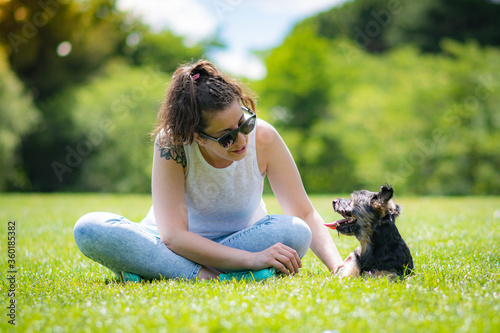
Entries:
{"x":426,"y":23}
{"x":55,"y":47}
{"x":300,"y":65}
{"x":17,"y":116}
{"x":297,"y":93}
{"x":363,"y":21}
{"x":426,"y":123}
{"x":378,"y":25}
{"x":53,"y":44}
{"x":163,"y":50}
{"x":115,"y":152}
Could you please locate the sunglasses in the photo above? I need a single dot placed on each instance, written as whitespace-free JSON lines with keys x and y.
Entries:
{"x":229,"y":139}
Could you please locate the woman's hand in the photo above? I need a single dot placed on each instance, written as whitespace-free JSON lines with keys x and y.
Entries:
{"x":282,"y":257}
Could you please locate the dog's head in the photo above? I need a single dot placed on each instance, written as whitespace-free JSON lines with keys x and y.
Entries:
{"x":363,"y":211}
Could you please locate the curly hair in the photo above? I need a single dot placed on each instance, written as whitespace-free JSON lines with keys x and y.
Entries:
{"x":195,"y":90}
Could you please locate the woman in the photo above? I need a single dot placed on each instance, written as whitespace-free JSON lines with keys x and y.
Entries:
{"x":208,"y":218}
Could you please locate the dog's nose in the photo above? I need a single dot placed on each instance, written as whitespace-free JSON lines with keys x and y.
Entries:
{"x":334,"y":202}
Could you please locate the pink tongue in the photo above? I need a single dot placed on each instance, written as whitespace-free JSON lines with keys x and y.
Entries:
{"x":333,"y":225}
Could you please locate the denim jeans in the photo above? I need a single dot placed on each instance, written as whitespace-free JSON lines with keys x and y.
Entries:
{"x":125,"y":246}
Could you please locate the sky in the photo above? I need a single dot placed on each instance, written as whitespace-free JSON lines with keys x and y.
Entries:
{"x":244,"y":26}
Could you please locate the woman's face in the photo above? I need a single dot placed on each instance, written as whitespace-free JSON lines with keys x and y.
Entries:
{"x":219,"y":124}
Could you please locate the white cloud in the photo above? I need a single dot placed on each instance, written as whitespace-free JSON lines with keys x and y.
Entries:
{"x":186,"y":18}
{"x":240,"y":64}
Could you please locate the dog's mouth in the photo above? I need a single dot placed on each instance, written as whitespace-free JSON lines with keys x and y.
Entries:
{"x":343,"y":222}
{"x":344,"y":208}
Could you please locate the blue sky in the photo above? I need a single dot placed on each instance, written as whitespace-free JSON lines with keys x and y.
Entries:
{"x":244,"y":25}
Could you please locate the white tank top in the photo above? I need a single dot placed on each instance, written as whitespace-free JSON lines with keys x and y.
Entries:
{"x":221,"y":201}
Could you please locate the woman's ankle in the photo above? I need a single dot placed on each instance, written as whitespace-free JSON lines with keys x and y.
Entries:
{"x":208,"y":273}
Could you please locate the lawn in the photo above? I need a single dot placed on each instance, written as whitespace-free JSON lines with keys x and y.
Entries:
{"x":455,"y":243}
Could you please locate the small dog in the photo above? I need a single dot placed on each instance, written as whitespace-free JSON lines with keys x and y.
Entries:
{"x":371,"y":217}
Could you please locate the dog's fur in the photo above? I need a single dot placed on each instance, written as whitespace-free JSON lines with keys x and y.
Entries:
{"x":371,"y":217}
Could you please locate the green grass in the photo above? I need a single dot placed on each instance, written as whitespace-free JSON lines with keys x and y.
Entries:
{"x":455,"y":244}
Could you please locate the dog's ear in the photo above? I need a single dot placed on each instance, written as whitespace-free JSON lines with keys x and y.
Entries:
{"x":383,"y":203}
{"x":385,"y":194}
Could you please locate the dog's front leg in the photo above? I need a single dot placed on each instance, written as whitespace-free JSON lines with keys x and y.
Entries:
{"x":349,"y":268}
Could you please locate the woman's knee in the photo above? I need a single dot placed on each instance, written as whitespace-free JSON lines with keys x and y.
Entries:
{"x":88,"y":228}
{"x":84,"y":228}
{"x":296,"y":233}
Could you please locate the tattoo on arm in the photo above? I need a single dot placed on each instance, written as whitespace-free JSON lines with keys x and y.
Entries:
{"x":173,"y":152}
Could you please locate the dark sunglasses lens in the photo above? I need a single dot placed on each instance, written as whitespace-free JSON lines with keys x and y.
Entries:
{"x":248,"y":126}
{"x":228,"y":139}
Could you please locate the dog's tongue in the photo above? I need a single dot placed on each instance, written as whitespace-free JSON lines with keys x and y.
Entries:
{"x":333,"y":225}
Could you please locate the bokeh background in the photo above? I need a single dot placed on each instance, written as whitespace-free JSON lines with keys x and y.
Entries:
{"x":364,"y":92}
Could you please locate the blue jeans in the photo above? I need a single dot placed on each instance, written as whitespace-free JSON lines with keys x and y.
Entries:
{"x":125,"y":246}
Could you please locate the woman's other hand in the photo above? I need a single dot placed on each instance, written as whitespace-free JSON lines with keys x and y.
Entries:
{"x":282,"y":257}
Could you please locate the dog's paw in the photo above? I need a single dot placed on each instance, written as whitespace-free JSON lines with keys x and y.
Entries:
{"x":339,"y":271}
{"x":349,"y":268}
{"x":338,"y":268}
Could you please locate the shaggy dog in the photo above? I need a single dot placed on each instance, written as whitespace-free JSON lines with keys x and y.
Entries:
{"x":371,"y":218}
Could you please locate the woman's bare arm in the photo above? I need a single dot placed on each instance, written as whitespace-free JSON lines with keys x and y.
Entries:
{"x":284,"y":178}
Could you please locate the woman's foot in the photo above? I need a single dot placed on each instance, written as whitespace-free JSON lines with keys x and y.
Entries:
{"x":130,"y":277}
{"x":249,"y":275}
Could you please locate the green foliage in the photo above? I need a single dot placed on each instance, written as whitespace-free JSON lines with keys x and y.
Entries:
{"x":34,"y":32}
{"x":379,"y":25}
{"x":296,"y":78}
{"x":455,"y":287}
{"x":97,"y":33}
{"x":425,"y":123}
{"x":115,"y":114}
{"x":426,"y":23}
{"x":36,"y":28}
{"x":17,"y":116}
{"x":163,"y":49}
{"x":296,"y":91}
{"x":363,"y":21}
